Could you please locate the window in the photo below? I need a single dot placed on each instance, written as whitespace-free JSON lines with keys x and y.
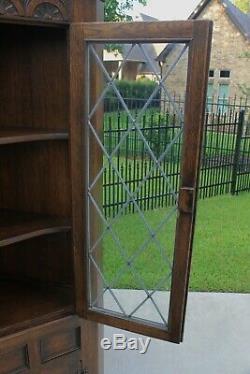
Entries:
{"x":211,"y":73}
{"x":223,"y":97}
{"x":102,"y":297}
{"x":225,"y":74}
{"x":210,"y":96}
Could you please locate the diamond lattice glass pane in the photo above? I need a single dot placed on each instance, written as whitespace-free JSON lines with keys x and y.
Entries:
{"x":134,"y":130}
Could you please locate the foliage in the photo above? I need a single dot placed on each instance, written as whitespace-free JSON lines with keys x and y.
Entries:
{"x":157,"y":136}
{"x":115,"y":10}
{"x":140,"y":89}
{"x":245,"y":54}
{"x":134,"y":92}
{"x":243,"y":5}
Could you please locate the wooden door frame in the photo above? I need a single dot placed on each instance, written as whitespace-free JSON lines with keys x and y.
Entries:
{"x":197,"y":34}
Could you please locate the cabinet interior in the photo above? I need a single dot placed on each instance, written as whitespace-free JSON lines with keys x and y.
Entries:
{"x":36,"y":259}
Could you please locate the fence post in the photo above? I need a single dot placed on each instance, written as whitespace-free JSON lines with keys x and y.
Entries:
{"x":236,"y":158}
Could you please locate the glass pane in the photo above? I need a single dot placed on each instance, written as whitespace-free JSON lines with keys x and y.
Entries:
{"x":210,"y":97}
{"x":223,"y":90}
{"x":134,"y":130}
{"x":223,"y":97}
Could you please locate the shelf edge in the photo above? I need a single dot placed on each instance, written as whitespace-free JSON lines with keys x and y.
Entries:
{"x":34,"y":234}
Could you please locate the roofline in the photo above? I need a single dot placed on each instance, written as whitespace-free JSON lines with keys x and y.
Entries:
{"x":199,"y":8}
{"x":235,"y":21}
{"x":197,"y":11}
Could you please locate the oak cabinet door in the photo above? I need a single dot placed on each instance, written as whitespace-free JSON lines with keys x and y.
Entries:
{"x":137,"y":162}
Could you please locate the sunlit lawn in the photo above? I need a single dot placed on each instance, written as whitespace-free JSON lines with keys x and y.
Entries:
{"x":221,"y":253}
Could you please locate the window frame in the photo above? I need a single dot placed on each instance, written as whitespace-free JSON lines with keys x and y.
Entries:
{"x":222,"y":71}
{"x":197,"y":33}
{"x":213,"y":73}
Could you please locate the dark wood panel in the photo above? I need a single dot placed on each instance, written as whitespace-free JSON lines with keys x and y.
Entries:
{"x":33,"y":22}
{"x":198,"y":65}
{"x":50,"y":10}
{"x":36,"y":260}
{"x":18,"y":226}
{"x":22,"y":135}
{"x":179,"y":31}
{"x":87,"y":10}
{"x":33,"y":77}
{"x":31,"y":304}
{"x":35,"y":177}
{"x":25,"y":347}
{"x":69,"y":364}
{"x":60,"y":343}
{"x":14,"y":361}
{"x":92,"y":354}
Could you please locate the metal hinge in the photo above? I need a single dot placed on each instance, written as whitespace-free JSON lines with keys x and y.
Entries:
{"x":186,"y":200}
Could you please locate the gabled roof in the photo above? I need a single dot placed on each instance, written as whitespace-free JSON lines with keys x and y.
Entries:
{"x":136,"y":55}
{"x":146,"y":18}
{"x":197,"y":11}
{"x":240,"y":20}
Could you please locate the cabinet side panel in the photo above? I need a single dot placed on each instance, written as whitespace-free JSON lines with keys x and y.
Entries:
{"x":35,"y":177}
{"x":33,"y":77}
{"x":46,"y":259}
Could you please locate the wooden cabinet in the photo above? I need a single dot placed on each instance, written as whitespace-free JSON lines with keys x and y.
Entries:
{"x":52,"y":348}
{"x":39,"y":330}
{"x":48,"y":323}
{"x":51,"y":11}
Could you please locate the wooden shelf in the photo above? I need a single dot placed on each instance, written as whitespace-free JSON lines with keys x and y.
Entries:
{"x":18,"y":226}
{"x":28,"y":21}
{"x":28,"y":304}
{"x":22,"y":135}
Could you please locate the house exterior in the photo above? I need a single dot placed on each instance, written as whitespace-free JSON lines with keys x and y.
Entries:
{"x":136,"y":65}
{"x":113,"y":60}
{"x":229,"y":73}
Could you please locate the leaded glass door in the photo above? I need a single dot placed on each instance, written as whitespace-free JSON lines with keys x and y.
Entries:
{"x":141,"y":161}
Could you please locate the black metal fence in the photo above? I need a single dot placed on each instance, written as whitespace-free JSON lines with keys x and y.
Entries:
{"x":225,"y":165}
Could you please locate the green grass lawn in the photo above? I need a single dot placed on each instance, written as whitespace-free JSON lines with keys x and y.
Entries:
{"x":221,"y":257}
{"x":221,"y":253}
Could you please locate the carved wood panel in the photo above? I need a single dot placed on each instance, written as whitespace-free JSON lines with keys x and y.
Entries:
{"x":52,"y":10}
{"x":53,"y":348}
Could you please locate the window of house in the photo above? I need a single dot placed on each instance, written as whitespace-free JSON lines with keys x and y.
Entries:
{"x":223,"y":97}
{"x":210,"y":96}
{"x":225,"y":74}
{"x":211,"y":73}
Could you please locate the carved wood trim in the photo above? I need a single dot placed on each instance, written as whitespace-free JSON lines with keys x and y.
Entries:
{"x":47,"y":10}
{"x":57,"y":10}
{"x":11,"y":8}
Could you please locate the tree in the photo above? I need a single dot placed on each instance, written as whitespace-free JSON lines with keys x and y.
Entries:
{"x":243,"y":5}
{"x":115,"y":10}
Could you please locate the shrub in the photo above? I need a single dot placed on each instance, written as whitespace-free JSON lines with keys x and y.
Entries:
{"x":134,"y":93}
{"x":159,"y":135}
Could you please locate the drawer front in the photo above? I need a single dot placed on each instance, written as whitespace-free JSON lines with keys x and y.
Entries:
{"x":60,"y":343}
{"x":14,"y":361}
{"x":53,"y":348}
